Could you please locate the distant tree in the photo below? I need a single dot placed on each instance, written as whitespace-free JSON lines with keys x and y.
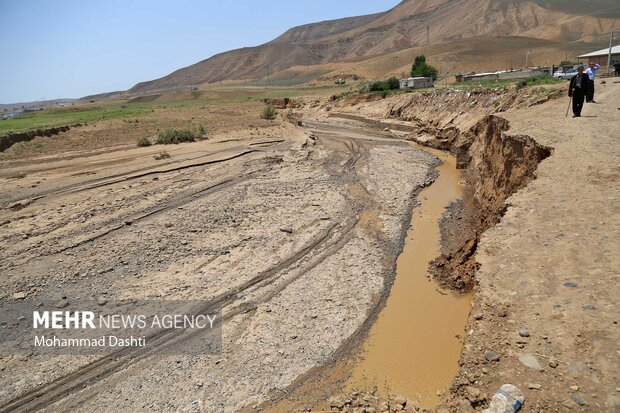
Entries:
{"x":422,"y":69}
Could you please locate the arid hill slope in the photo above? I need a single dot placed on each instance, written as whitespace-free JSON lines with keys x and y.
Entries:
{"x":411,"y":24}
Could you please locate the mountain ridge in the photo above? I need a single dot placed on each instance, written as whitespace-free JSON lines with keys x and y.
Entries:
{"x":410,"y":24}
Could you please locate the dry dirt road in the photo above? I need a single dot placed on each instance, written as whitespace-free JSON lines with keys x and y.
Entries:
{"x":295,"y":237}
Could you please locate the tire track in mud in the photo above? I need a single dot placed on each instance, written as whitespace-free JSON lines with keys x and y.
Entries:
{"x":97,"y":371}
{"x":85,"y":378}
{"x":106,"y":366}
{"x":119,"y":178}
{"x":180,"y":201}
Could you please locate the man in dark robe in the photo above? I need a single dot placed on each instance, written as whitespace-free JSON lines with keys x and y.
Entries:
{"x":578,"y":90}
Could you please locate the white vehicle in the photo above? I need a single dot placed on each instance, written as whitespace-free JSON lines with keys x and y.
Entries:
{"x":565,"y":75}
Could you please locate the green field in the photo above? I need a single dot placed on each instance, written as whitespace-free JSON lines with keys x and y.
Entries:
{"x":69,"y":116}
{"x":82,"y":114}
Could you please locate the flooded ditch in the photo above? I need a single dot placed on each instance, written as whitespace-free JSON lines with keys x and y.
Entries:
{"x":414,"y":346}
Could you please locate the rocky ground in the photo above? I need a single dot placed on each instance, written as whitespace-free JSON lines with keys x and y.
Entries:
{"x":295,"y":234}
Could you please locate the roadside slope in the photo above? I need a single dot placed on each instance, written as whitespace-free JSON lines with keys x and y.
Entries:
{"x":549,"y":269}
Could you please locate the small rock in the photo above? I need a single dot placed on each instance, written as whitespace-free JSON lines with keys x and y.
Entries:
{"x":335,"y":403}
{"x":553,"y":363}
{"x":62,"y":304}
{"x":508,"y":398}
{"x":613,"y":402}
{"x":478,"y":317}
{"x":524,"y":333}
{"x":570,"y":284}
{"x":288,"y":230}
{"x":19,"y":295}
{"x":465,"y":407}
{"x":578,"y":400}
{"x":400,"y":400}
{"x":102,"y":301}
{"x":590,"y":307}
{"x":530,"y":361}
{"x":534,"y":386}
{"x":472,"y":393}
{"x":574,"y":388}
{"x":491,"y":356}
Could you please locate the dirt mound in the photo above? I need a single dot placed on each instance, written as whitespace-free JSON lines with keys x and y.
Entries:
{"x":284,"y":103}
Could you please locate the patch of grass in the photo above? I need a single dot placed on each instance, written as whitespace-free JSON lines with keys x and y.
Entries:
{"x":268,"y":112}
{"x":505,"y":83}
{"x":17,"y":175}
{"x":542,"y":80}
{"x":162,"y":155}
{"x":175,"y":136}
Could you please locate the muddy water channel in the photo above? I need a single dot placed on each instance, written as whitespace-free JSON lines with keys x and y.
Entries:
{"x":414,"y":346}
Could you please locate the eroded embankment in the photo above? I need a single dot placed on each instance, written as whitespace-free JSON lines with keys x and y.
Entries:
{"x":499,"y":165}
{"x":9,"y":140}
{"x":466,"y":123}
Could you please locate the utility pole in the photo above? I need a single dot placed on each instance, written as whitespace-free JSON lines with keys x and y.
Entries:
{"x":527,"y":57}
{"x":611,"y":40}
{"x":428,"y":35}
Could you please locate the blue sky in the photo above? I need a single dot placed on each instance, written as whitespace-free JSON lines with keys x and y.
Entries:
{"x":69,"y":48}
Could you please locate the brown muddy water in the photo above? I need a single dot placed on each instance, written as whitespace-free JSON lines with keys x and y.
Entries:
{"x":414,"y":346}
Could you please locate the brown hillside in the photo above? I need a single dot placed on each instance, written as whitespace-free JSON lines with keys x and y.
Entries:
{"x":411,"y":24}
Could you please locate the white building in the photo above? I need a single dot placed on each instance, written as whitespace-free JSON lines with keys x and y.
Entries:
{"x":416,"y":83}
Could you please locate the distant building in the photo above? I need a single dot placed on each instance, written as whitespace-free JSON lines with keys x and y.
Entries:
{"x":416,"y":83}
{"x":600,"y":56}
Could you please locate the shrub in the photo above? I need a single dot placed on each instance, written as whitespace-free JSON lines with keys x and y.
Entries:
{"x":174,"y":136}
{"x":201,"y":131}
{"x":544,"y":79}
{"x":144,"y":142}
{"x":381,"y":85}
{"x":268,"y":112}
{"x":393,"y":83}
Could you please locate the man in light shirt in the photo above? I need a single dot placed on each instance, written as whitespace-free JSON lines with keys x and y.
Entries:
{"x":591,"y":72}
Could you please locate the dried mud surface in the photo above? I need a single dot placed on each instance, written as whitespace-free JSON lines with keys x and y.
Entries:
{"x":297,"y":236}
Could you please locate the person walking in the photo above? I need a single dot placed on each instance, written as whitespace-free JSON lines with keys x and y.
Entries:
{"x":617,"y":67}
{"x":591,"y":72}
{"x":578,"y":90}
